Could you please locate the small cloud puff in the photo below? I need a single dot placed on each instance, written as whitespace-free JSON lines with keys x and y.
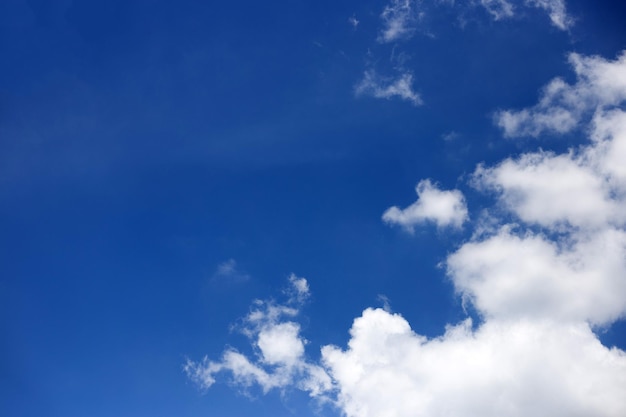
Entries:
{"x":444,"y":208}
{"x":498,"y":9}
{"x":600,"y":84}
{"x":279,"y":360}
{"x":540,"y":286}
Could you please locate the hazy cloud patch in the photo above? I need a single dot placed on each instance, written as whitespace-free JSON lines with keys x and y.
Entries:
{"x":400,"y":86}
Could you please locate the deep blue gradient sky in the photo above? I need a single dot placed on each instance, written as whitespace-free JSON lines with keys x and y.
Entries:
{"x":144,"y":144}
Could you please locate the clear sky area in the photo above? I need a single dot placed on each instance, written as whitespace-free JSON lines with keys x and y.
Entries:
{"x":386,"y":208}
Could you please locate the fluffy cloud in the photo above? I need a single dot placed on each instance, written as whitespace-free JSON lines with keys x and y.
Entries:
{"x":550,"y":270}
{"x":499,"y":9}
{"x":600,"y":84}
{"x":228,"y":271}
{"x":379,"y":86}
{"x":444,"y":208}
{"x":553,"y":190}
{"x":517,"y":368}
{"x":279,"y":360}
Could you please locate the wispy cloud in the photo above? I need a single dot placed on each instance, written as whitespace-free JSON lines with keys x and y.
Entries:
{"x":399,"y":20}
{"x":229,"y":271}
{"x":600,"y":84}
{"x":353,"y":21}
{"x":505,"y":9}
{"x":539,"y":294}
{"x":400,"y":86}
{"x":444,"y":208}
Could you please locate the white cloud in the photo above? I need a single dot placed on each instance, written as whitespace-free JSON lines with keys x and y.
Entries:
{"x":399,"y":20}
{"x":556,"y":10}
{"x":600,"y":84}
{"x":540,"y":286}
{"x":532,"y":277}
{"x":378,"y":86}
{"x":515,"y":369}
{"x":444,"y":208}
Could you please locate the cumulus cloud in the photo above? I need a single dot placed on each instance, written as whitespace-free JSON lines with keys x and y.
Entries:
{"x":600,"y":84}
{"x":553,"y":190}
{"x":540,"y":286}
{"x":549,"y":270}
{"x":444,"y":208}
{"x":515,"y":369}
{"x":379,"y":86}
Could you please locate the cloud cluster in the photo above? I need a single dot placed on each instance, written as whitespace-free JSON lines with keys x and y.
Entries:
{"x":444,"y":208}
{"x":549,"y":270}
{"x":279,"y":360}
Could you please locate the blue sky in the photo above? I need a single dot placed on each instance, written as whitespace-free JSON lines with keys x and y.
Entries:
{"x":237,"y":181}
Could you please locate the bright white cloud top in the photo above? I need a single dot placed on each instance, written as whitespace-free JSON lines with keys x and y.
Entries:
{"x":444,"y":208}
{"x":540,"y":286}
